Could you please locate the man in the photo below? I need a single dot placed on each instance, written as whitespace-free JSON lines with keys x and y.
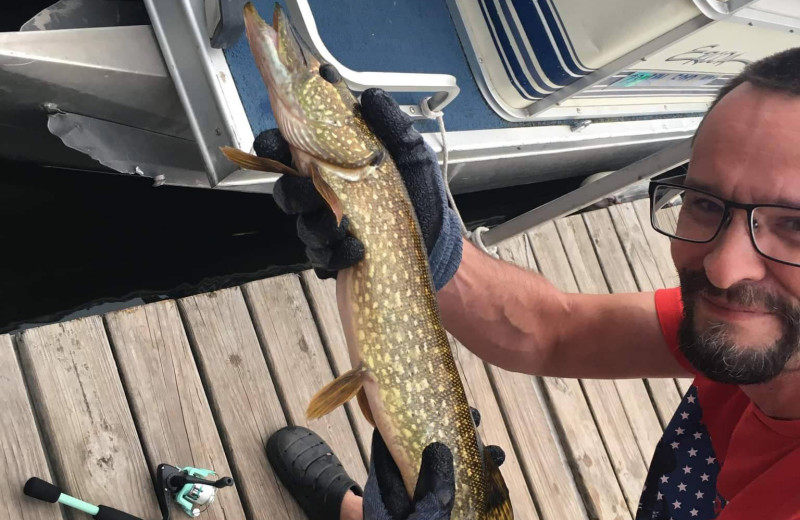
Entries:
{"x":734,"y":323}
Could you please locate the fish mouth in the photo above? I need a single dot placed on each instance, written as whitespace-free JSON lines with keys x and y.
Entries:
{"x":280,"y":55}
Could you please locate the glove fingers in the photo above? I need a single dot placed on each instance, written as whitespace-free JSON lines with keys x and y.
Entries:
{"x":297,"y":195}
{"x":497,"y":454}
{"x":390,"y":124}
{"x":476,"y":416}
{"x":390,"y":482}
{"x":318,"y":229}
{"x":436,"y":476}
{"x":339,"y":256}
{"x":324,"y":274}
{"x":272,"y":145}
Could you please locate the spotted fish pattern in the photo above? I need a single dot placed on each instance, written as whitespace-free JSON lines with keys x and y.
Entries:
{"x":401,"y":341}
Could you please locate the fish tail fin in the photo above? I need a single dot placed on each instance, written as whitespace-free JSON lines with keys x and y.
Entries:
{"x":498,"y":503}
{"x":336,"y":393}
{"x":254,"y":162}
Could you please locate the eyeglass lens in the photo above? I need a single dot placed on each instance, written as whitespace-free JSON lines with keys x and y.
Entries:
{"x":687,"y":214}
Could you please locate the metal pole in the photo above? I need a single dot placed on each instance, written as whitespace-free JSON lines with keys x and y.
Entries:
{"x":652,"y":165}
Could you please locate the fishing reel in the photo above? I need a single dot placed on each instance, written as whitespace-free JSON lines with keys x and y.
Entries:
{"x":188,"y":487}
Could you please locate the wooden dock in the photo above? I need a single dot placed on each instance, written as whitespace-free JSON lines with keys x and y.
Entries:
{"x":96,"y":403}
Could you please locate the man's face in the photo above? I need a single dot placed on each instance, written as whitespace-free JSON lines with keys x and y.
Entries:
{"x":742,"y":311}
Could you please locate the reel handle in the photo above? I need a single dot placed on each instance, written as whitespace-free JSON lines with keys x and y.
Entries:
{"x":221,"y":483}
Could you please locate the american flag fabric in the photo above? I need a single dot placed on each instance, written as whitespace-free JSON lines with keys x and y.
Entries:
{"x":682,"y":481}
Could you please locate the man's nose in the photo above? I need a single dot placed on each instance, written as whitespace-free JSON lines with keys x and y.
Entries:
{"x":733,"y":257}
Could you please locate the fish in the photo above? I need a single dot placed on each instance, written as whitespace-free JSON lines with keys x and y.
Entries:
{"x":404,"y":373}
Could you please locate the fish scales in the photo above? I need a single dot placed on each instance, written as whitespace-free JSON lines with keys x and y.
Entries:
{"x":401,"y":341}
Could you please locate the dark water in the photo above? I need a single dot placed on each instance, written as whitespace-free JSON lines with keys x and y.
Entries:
{"x":72,"y":239}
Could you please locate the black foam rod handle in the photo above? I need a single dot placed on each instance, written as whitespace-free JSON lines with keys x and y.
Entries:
{"x":109,"y":513}
{"x":42,"y":490}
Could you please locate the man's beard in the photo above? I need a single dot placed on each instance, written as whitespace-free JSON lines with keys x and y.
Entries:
{"x":712,"y":351}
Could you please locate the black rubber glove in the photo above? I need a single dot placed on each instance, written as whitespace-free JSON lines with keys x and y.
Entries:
{"x":385,"y":496}
{"x":330,"y":248}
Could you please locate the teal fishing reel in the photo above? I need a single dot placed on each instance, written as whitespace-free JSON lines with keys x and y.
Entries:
{"x":188,"y":487}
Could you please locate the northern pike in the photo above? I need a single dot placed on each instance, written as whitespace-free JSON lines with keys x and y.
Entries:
{"x":404,"y":373}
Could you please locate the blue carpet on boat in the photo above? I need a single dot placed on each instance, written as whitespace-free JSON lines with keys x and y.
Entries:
{"x":379,"y":35}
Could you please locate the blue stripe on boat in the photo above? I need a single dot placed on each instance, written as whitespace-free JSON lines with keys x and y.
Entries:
{"x":501,"y":43}
{"x":544,"y":52}
{"x":561,"y":36}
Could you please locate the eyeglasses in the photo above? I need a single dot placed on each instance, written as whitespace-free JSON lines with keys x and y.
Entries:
{"x":694,"y":215}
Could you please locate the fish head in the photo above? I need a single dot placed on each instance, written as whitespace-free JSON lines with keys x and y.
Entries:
{"x":313,"y":106}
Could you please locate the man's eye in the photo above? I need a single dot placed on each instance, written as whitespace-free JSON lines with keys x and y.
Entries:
{"x":790,"y":224}
{"x":704,"y":204}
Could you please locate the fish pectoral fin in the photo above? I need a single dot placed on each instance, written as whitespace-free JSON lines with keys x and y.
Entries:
{"x":327,"y":193}
{"x":254,"y":162}
{"x":365,"y":409}
{"x":498,"y":503}
{"x":336,"y":393}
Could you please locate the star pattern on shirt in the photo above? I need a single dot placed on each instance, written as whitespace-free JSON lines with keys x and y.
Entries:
{"x":685,"y":486}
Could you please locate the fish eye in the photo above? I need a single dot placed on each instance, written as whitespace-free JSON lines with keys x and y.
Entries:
{"x":378,"y":158}
{"x":329,"y":73}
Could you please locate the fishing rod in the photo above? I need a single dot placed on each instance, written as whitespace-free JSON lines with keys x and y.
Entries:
{"x":188,"y":487}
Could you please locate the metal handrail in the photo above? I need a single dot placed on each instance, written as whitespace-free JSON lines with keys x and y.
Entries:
{"x":443,"y":84}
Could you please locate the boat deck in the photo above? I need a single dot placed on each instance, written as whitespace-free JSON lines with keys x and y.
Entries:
{"x":96,"y":403}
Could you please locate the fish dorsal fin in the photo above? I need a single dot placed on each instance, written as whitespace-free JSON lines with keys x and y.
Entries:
{"x":336,"y":393}
{"x":254,"y":162}
{"x":498,"y":503}
{"x":327,"y":193}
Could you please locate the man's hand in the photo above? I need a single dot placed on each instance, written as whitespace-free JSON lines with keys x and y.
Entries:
{"x":385,"y":496}
{"x":331,"y":248}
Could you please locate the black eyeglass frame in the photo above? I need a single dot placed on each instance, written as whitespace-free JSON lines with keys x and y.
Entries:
{"x":726,"y":216}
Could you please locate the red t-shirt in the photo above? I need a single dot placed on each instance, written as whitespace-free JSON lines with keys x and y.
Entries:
{"x":720,"y":456}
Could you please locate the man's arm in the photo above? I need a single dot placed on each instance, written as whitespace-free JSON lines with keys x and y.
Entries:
{"x":519,"y":321}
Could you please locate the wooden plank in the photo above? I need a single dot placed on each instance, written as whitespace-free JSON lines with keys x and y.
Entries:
{"x":517,"y":251}
{"x":648,"y":278}
{"x":298,"y":362}
{"x":84,"y":416}
{"x":629,"y":463}
{"x":659,"y":244}
{"x":540,"y":452}
{"x":532,"y":428}
{"x":322,"y":300}
{"x":167,"y":398}
{"x":20,"y":445}
{"x":634,"y":244}
{"x":529,"y":422}
{"x":684,"y":384}
{"x":638,"y":406}
{"x":493,"y":429}
{"x":602,"y":396}
{"x":660,"y":247}
{"x":241,"y":394}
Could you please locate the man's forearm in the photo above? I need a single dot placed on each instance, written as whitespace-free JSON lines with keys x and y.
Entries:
{"x":504,"y":314}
